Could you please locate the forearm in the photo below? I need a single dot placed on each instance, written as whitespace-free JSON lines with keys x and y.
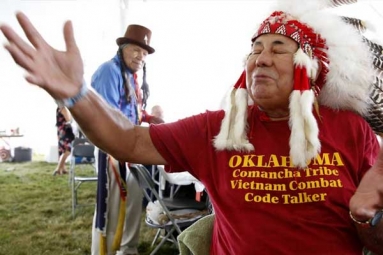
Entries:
{"x":106,"y":127}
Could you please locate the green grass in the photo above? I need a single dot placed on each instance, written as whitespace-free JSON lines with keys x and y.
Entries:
{"x":36,"y":216}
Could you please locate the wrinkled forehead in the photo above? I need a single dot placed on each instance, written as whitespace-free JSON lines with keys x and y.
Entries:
{"x":132,"y":46}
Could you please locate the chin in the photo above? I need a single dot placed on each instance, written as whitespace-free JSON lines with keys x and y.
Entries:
{"x":135,"y":70}
{"x":259,"y":100}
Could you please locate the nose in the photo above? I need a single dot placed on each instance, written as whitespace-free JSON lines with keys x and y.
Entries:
{"x":141,"y":56}
{"x":264,"y":59}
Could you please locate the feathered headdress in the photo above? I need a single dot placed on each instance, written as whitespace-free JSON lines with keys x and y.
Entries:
{"x":335,"y":65}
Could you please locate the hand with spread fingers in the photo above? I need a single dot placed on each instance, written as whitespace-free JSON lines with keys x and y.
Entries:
{"x":59,"y":73}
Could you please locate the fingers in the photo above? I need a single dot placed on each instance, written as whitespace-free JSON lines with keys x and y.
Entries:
{"x":34,"y":80}
{"x":70,"y":41}
{"x":19,"y":57}
{"x":24,"y":54}
{"x":15,"y":39}
{"x":30,"y":31}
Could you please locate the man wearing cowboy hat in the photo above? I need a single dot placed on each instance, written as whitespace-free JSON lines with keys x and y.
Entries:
{"x":116,"y":224}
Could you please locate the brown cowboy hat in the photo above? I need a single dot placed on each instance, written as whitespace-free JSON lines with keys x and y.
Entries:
{"x":138,"y":35}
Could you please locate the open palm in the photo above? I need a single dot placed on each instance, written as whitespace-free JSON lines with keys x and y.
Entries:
{"x":60,"y":73}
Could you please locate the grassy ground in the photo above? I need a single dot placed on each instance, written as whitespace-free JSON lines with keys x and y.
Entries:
{"x":36,"y":217}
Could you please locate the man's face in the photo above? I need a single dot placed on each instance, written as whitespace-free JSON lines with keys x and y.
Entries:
{"x":270,"y":73}
{"x":134,"y":57}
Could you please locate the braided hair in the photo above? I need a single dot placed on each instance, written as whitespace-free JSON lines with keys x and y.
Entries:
{"x":129,"y":92}
{"x":145,"y":88}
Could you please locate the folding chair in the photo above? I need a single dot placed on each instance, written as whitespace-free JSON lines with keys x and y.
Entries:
{"x":82,"y":154}
{"x":178,"y":214}
{"x":161,"y":182}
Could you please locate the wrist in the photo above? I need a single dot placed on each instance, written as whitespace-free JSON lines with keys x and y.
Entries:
{"x":70,"y":102}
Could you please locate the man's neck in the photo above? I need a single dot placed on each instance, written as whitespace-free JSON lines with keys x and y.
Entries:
{"x":279,"y":114}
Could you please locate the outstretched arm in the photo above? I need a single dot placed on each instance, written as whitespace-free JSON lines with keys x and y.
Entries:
{"x":112,"y":132}
{"x":60,"y":73}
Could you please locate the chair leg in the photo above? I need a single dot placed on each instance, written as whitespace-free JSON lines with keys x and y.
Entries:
{"x":71,"y":171}
{"x":164,"y":239}
{"x":74,"y":197}
{"x":156,"y":237}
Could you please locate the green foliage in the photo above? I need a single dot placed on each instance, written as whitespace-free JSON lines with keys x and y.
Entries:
{"x":36,"y":216}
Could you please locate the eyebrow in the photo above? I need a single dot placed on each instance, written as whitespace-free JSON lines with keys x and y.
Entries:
{"x":276,"y":42}
{"x":136,"y":47}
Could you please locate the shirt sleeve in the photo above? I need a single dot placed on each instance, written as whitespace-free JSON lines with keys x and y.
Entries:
{"x":188,"y":142}
{"x":108,"y":83}
{"x":371,"y":149}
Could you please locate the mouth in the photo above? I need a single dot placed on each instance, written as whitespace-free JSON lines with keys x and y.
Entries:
{"x":261,"y":76}
{"x":137,"y":63}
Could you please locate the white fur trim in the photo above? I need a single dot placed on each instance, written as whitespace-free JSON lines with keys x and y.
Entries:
{"x":311,"y":126}
{"x":221,"y":141}
{"x":240,"y":141}
{"x":304,"y":141}
{"x":297,"y":137}
{"x":233,"y":132}
{"x":301,"y":59}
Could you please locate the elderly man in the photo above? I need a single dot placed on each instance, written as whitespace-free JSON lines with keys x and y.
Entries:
{"x":116,"y":81}
{"x":283,"y":176}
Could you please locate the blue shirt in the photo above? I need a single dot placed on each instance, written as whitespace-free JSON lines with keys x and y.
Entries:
{"x":108,"y":82}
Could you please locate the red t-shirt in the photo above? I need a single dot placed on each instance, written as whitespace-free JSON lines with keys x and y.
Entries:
{"x":263,"y":205}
